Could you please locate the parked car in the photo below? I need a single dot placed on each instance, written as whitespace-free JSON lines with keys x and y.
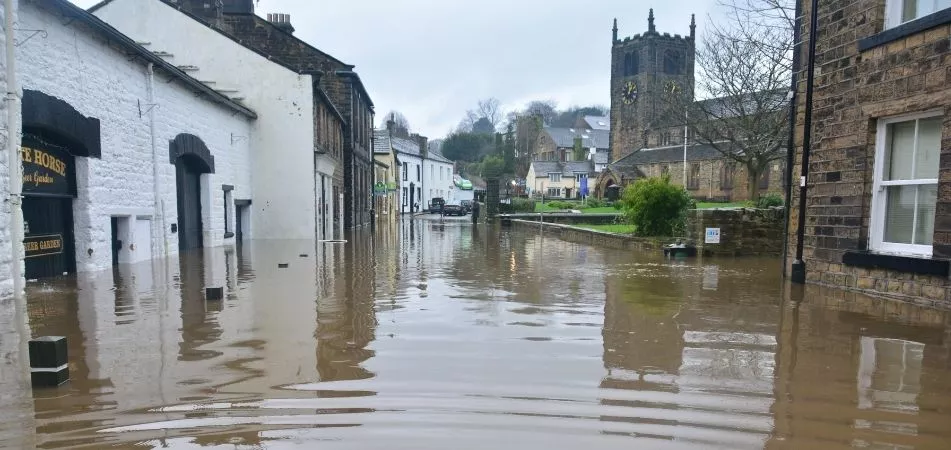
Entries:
{"x":436,"y":204}
{"x":466,"y":205}
{"x":454,"y":210}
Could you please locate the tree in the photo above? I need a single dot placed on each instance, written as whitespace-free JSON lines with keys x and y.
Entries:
{"x":491,"y":110}
{"x":483,"y":126}
{"x":466,"y":146}
{"x":745,"y":68}
{"x":655,"y":206}
{"x":400,"y":121}
{"x":508,"y":148}
{"x":546,"y":109}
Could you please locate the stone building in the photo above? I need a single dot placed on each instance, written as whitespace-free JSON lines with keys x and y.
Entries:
{"x":558,"y":144}
{"x":298,"y":121}
{"x":877,"y":214}
{"x":125,"y":157}
{"x":709,"y":176}
{"x":642,"y":67}
{"x":386,"y":194}
{"x":557,"y":179}
{"x":273,"y":38}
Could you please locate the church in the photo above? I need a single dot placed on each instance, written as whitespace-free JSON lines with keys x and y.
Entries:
{"x":648,"y":137}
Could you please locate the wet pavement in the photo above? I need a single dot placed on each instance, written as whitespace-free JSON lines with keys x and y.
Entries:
{"x":431,"y":334}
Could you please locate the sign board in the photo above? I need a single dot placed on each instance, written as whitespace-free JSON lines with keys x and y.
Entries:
{"x":712,"y":236}
{"x":43,"y":245}
{"x":47,"y":169}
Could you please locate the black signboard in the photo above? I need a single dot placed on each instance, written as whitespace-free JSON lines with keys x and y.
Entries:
{"x":43,"y":245}
{"x":47,"y":169}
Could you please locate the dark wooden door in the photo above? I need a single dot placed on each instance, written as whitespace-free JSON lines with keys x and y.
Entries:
{"x":188,"y":182}
{"x":48,"y":238}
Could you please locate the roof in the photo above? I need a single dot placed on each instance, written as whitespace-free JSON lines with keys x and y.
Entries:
{"x":601,"y":158}
{"x":543,"y":168}
{"x":565,"y":137}
{"x":112,"y":35}
{"x":405,"y":146}
{"x":381,"y":142}
{"x":598,"y":122}
{"x":436,"y":155}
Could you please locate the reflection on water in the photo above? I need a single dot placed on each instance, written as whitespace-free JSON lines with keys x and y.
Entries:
{"x":436,"y":334}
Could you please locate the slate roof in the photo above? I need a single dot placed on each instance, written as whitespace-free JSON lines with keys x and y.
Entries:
{"x":405,"y":146}
{"x":598,"y":122}
{"x":436,"y":155}
{"x":601,"y":158}
{"x":565,"y":137}
{"x":543,"y":168}
{"x":669,"y":154}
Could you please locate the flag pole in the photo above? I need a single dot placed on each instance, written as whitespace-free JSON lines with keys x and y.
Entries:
{"x":685,"y":148}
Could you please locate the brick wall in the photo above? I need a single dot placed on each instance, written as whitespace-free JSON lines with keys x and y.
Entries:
{"x":852,"y":90}
{"x":743,"y":231}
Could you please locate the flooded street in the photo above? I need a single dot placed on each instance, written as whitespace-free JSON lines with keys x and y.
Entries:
{"x":435,"y":335}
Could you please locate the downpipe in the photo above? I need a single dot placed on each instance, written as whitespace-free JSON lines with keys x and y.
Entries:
{"x":15,"y":170}
{"x":798,"y":274}
{"x":791,"y":143}
{"x":159,"y":212}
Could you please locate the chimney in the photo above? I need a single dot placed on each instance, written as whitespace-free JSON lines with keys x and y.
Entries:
{"x":282,"y":21}
{"x":423,"y":142}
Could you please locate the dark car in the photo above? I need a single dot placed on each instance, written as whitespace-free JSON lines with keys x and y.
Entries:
{"x":436,"y":204}
{"x":454,"y":210}
{"x":466,"y":205}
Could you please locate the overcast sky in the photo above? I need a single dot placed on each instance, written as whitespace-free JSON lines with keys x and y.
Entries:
{"x":434,"y":59}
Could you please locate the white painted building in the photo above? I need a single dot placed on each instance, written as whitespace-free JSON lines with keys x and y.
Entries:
{"x":409,"y":175}
{"x":437,"y":178}
{"x":292,"y":184}
{"x":125,"y":156}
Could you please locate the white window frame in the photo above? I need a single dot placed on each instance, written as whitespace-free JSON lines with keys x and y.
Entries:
{"x":551,"y":189}
{"x":554,"y":177}
{"x":879,"y":197}
{"x":580,"y":175}
{"x":893,"y":10}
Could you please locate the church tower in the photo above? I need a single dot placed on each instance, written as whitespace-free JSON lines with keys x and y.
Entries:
{"x":645,"y":68}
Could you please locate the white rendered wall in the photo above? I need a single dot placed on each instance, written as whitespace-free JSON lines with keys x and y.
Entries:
{"x":434,"y":185}
{"x":412,"y":162}
{"x":75,"y":65}
{"x":283,"y":206}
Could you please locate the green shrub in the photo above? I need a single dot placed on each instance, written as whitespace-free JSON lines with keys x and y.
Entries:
{"x":522,"y":205}
{"x":770,"y":200}
{"x":560,"y":205}
{"x":593,"y":203}
{"x":656,"y":207}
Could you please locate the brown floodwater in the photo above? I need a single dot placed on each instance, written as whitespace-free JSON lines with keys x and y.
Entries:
{"x":437,"y":335}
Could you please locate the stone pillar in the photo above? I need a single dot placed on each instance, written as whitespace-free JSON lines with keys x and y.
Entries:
{"x":491,"y":197}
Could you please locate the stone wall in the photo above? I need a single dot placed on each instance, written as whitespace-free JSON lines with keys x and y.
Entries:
{"x":566,"y":218}
{"x":853,"y":89}
{"x":592,"y":237}
{"x":709,"y":185}
{"x":743,"y":231}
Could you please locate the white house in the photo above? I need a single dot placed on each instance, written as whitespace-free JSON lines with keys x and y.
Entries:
{"x":437,"y":178}
{"x":125,"y":157}
{"x":555,"y":179}
{"x":292,"y":184}
{"x":409,"y":175}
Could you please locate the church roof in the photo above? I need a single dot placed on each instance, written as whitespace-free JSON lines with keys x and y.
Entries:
{"x":696,"y":152}
{"x":565,"y":137}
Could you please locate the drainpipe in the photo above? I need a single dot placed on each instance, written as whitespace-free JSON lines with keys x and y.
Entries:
{"x":156,"y":185}
{"x":13,"y":153}
{"x":791,"y":143}
{"x":799,"y":266}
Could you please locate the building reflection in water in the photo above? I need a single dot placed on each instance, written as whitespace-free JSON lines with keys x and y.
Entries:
{"x":346,"y":318}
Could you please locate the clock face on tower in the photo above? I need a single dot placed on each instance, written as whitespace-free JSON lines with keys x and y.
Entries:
{"x":630,"y":92}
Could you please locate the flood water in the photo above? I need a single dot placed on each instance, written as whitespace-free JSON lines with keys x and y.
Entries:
{"x":438,"y":335}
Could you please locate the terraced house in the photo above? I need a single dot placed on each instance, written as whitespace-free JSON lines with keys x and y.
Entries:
{"x":874,"y":149}
{"x":273,"y":38}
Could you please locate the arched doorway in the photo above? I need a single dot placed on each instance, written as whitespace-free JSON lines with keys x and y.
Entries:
{"x":191,"y":158}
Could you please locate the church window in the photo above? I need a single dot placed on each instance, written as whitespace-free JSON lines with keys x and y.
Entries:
{"x":673,"y":62}
{"x":630,"y":64}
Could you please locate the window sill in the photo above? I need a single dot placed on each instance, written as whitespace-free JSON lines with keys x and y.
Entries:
{"x":229,"y":235}
{"x":910,"y":264}
{"x":906,"y":29}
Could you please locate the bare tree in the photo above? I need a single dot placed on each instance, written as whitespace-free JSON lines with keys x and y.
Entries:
{"x":745,"y":68}
{"x":401,"y":123}
{"x":491,"y":109}
{"x":546,"y":109}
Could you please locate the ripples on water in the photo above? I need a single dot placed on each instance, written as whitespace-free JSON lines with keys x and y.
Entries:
{"x":438,"y":335}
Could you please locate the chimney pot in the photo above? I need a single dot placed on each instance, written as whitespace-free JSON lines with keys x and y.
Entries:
{"x":270,"y":17}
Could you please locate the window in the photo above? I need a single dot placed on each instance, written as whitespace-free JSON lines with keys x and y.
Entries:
{"x":693,"y":178}
{"x":901,"y":11}
{"x":432,"y":172}
{"x":727,"y":172}
{"x":630,"y":63}
{"x":905,"y":190}
{"x":405,"y":194}
{"x":580,"y":177}
{"x":405,"y":172}
{"x":229,"y":210}
{"x":665,"y":138}
{"x":419,"y":173}
{"x":554,"y":192}
{"x":673,"y":62}
{"x":554,"y":177}
{"x":664,"y":170}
